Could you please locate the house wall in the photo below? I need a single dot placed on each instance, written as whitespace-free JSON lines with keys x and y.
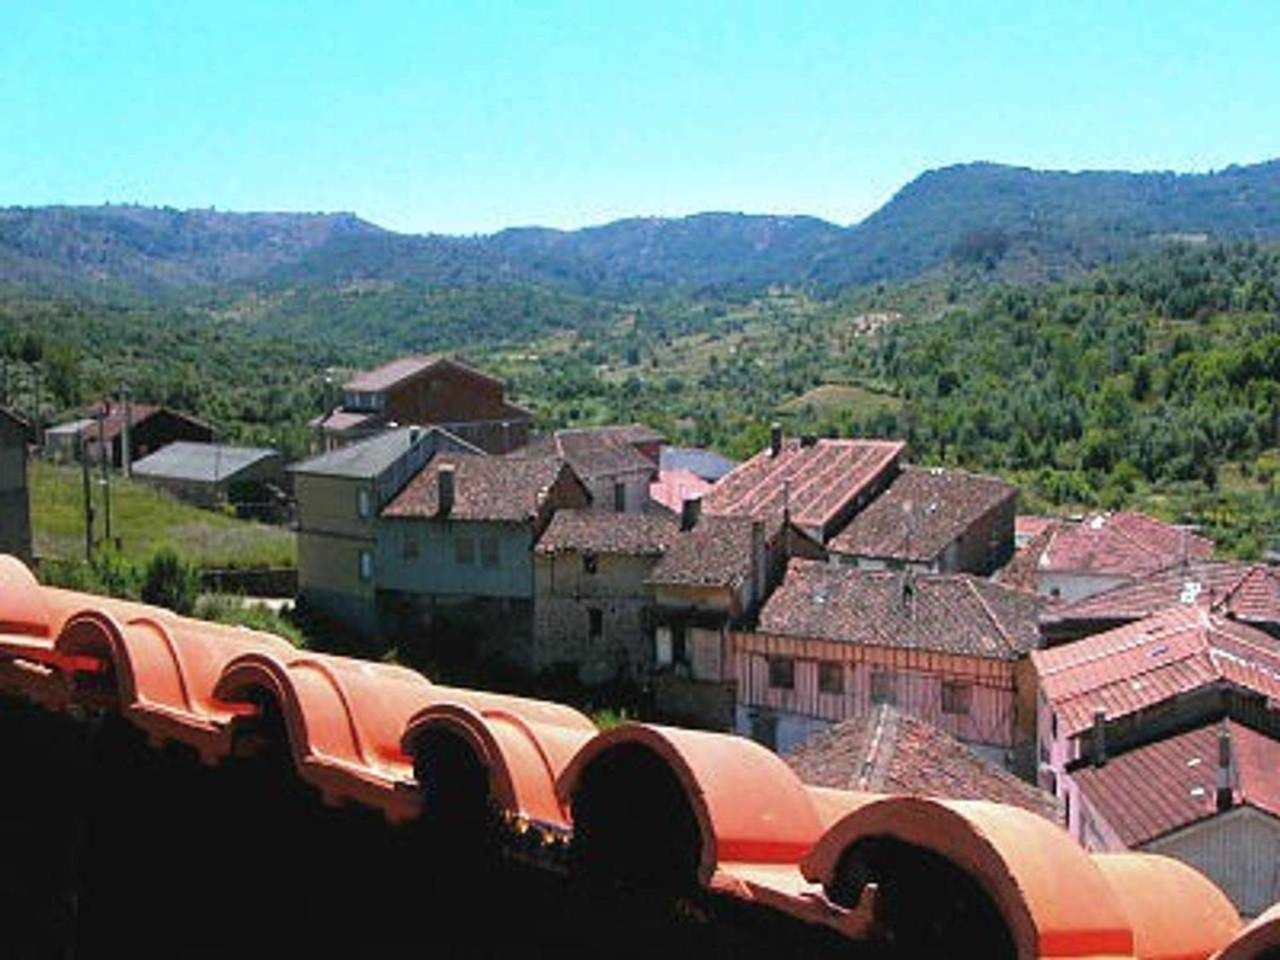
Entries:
{"x":564,"y":595}
{"x":156,"y":431}
{"x":331,"y":537}
{"x":267,"y":470}
{"x":15,"y":509}
{"x":421,"y":556}
{"x":445,"y":394}
{"x":636,"y":484}
{"x":1239,"y":850}
{"x":493,"y":436}
{"x":918,"y":676}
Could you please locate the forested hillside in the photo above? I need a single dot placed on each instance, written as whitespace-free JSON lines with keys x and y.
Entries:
{"x":1012,"y":223}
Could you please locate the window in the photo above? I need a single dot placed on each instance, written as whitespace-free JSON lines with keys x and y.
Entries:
{"x":364,"y":503}
{"x":366,"y":565}
{"x":831,"y":677}
{"x":464,"y":550}
{"x":489,"y":551}
{"x":680,"y":646}
{"x":956,"y":697}
{"x":410,"y":549}
{"x":595,"y":623}
{"x":782,"y":673}
{"x":884,"y":688}
{"x":590,"y":563}
{"x":620,"y":497}
{"x":662,"y":653}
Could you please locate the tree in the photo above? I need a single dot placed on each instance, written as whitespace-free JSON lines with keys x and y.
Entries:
{"x":171,"y":582}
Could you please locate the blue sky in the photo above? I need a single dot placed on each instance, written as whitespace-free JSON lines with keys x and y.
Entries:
{"x":467,"y":117}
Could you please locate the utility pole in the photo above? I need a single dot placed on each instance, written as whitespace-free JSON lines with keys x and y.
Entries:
{"x":88,"y":500}
{"x":104,"y":455}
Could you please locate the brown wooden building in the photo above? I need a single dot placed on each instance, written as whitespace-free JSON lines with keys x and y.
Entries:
{"x":15,"y":509}
{"x":427,"y":391}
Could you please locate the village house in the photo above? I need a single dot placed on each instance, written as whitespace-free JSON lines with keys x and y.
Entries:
{"x":818,"y":485}
{"x":211,"y":474}
{"x":934,"y":521}
{"x":430,"y":391}
{"x":707,"y":465}
{"x":1151,"y":679}
{"x":1247,"y":592}
{"x":886,"y":750}
{"x":149,"y":428}
{"x":1072,"y":560}
{"x":339,"y":495}
{"x":593,"y":602}
{"x":1209,"y":797}
{"x":832,"y":642}
{"x":454,"y":564}
{"x":673,"y":487}
{"x":617,"y":463}
{"x":15,"y":506}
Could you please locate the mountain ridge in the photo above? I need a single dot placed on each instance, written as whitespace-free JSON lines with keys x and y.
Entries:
{"x":1010,"y":220}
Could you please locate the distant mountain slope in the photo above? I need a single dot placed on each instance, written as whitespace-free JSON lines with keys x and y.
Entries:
{"x":1017,"y":222}
{"x":149,"y":247}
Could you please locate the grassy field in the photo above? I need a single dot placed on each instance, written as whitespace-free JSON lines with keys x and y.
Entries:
{"x":144,"y":519}
{"x":836,"y":398}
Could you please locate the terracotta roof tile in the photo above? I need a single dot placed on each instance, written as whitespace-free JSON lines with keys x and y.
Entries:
{"x":922,"y":512}
{"x":1163,"y":786}
{"x":1246,"y":592}
{"x":674,"y":487}
{"x":485,"y":488}
{"x":716,"y":552}
{"x":1152,"y":660}
{"x":1121,"y":544}
{"x":403,"y":368}
{"x":820,"y":481}
{"x":596,"y":451}
{"x":599,"y":531}
{"x":953,"y":613}
{"x":888,"y":751}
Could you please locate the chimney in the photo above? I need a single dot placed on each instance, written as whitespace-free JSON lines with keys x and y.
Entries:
{"x":1100,"y":738}
{"x":448,"y":488}
{"x":690,"y":513}
{"x":775,"y":440}
{"x":1225,"y":794}
{"x":415,"y":435}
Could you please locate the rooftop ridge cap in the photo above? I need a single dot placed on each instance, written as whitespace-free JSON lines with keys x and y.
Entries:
{"x":986,"y":608}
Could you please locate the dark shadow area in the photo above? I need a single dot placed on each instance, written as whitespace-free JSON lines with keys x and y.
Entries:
{"x":633,"y":825}
{"x":926,"y":906}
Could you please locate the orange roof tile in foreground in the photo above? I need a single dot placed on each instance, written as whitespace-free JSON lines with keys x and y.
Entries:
{"x":1055,"y":899}
{"x":1259,"y":939}
{"x":361,"y":732}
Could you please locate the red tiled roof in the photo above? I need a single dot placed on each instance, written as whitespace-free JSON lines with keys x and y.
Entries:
{"x":921,"y":514}
{"x":674,"y":487}
{"x":1147,"y":662}
{"x":819,"y":480}
{"x":888,"y":751}
{"x":1172,"y":783}
{"x":403,"y":368}
{"x":339,"y":420}
{"x":951,"y":613}
{"x":485,"y":488}
{"x":599,"y":531}
{"x":1246,"y":592}
{"x":1026,"y":526}
{"x":357,"y":732}
{"x":1121,"y":544}
{"x":595,"y":451}
{"x":715,"y":553}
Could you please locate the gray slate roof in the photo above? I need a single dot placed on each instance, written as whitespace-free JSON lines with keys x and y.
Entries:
{"x":200,"y":462}
{"x":707,"y":464}
{"x":372,"y":457}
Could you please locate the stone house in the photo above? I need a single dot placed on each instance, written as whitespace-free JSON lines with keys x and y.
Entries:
{"x":933,"y":521}
{"x":15,"y":506}
{"x":209,"y":474}
{"x":148,"y":428}
{"x":593,"y":602}
{"x":454,"y":562}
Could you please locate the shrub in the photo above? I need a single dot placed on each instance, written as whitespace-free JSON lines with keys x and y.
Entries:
{"x":171,"y":582}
